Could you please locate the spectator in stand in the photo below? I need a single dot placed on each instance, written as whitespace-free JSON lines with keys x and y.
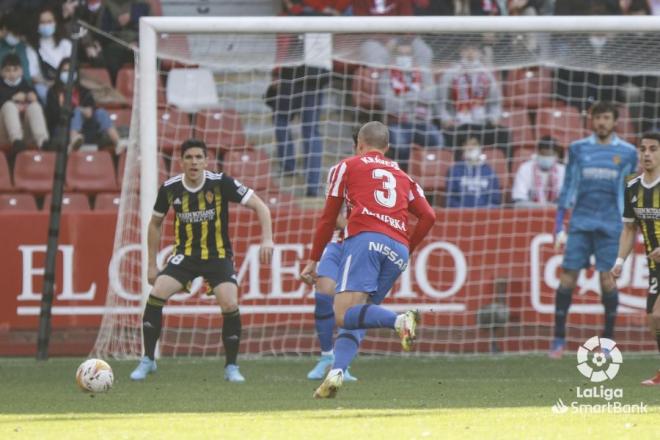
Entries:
{"x":120,"y":18}
{"x":635,"y":7}
{"x":433,"y":7}
{"x":408,"y":96}
{"x":471,"y":101}
{"x":317,"y":7}
{"x":383,"y":7}
{"x":539,"y":180}
{"x":21,"y":115}
{"x":471,"y":182}
{"x":52,"y":47}
{"x":89,"y":124}
{"x":89,"y":48}
{"x":13,"y":42}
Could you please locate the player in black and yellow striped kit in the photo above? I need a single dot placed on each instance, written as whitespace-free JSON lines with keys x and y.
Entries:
{"x":642,"y":209}
{"x":200,"y":200}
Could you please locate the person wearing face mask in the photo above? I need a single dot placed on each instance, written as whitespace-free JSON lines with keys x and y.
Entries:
{"x":51,"y":47}
{"x":21,"y":116}
{"x":12,"y":29}
{"x":470,"y":100}
{"x":471,"y":182}
{"x":408,"y":99}
{"x":538,"y":180}
{"x":89,"y":124}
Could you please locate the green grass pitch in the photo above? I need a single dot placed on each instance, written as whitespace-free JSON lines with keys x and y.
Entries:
{"x":479,"y":397}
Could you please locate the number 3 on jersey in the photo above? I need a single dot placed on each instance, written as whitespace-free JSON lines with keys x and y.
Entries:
{"x":386,"y":198}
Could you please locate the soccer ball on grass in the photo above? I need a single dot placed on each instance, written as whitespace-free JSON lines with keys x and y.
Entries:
{"x":95,"y":376}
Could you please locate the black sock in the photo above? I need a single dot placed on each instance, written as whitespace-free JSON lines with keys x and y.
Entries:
{"x":611,"y":301}
{"x":231,"y":335}
{"x":152,"y":321}
{"x":563,"y":297}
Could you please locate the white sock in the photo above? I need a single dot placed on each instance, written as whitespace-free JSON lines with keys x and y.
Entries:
{"x":399,"y":322}
{"x":327,"y":353}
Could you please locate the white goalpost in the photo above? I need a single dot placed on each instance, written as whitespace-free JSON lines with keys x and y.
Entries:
{"x":485,"y":278}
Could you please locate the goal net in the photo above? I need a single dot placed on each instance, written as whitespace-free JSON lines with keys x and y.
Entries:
{"x":277,"y":101}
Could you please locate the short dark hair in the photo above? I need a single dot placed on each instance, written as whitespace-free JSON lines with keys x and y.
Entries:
{"x":654,"y":135}
{"x":605,"y":107}
{"x":548,"y":143}
{"x":11,"y":59}
{"x":193,"y":143}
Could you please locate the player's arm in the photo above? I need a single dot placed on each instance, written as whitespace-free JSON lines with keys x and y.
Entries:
{"x":421,"y":209}
{"x":266,"y":223}
{"x":322,"y":236}
{"x":153,"y":243}
{"x":341,"y":222}
{"x":626,"y":244}
{"x":566,"y":195}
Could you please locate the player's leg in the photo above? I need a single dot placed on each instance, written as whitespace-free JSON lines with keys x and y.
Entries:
{"x":227,"y":295}
{"x":576,"y":257}
{"x":653,"y":317}
{"x":168,"y":283}
{"x":606,"y":247}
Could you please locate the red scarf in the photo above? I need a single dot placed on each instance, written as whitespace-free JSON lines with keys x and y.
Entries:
{"x":470,"y":90}
{"x":550,"y":192}
{"x":404,"y":82}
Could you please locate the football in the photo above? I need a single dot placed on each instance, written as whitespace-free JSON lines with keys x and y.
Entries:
{"x":95,"y":376}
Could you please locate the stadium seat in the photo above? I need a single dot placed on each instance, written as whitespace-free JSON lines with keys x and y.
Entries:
{"x":126,"y":85}
{"x":5,"y":177}
{"x":175,"y":162}
{"x":71,"y":202}
{"x":251,"y":167}
{"x":562,"y":122}
{"x":429,"y":167}
{"x":121,"y":118}
{"x":528,"y":88}
{"x":17,"y":202}
{"x":107,"y":202}
{"x":625,"y":126}
{"x":517,"y":121}
{"x":278,"y":200}
{"x":191,"y":89}
{"x":520,"y":155}
{"x":162,"y":169}
{"x":365,"y":89}
{"x":173,"y":128}
{"x":34,"y":170}
{"x":222,"y":129}
{"x":90,"y":172}
{"x":496,"y":159}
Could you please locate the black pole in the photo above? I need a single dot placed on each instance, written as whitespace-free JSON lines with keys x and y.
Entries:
{"x":60,"y":143}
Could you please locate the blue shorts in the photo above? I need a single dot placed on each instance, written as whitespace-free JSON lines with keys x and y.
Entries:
{"x":329,"y":264}
{"x":581,"y":245}
{"x":371,"y":263}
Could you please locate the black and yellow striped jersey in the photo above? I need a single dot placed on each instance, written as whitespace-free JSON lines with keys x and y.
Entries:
{"x":642,"y":204}
{"x":200,"y":222}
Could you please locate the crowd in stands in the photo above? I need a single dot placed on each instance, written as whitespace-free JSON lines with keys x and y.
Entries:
{"x":459,"y":125}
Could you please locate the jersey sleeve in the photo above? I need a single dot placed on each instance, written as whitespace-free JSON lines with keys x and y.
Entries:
{"x":337,"y":181}
{"x":415,"y":192}
{"x":235,"y":191}
{"x":628,"y":211}
{"x":571,"y":179}
{"x":162,"y":202}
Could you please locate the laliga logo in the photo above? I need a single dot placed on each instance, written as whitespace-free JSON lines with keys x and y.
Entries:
{"x":592,"y":362}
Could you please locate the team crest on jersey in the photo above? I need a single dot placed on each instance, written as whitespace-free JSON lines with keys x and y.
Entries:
{"x":616,"y":159}
{"x":209,"y":197}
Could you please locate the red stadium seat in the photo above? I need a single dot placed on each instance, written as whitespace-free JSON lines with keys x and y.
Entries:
{"x":98,"y":75}
{"x":562,"y":122}
{"x":71,"y":202}
{"x":496,"y":159}
{"x":365,"y":89}
{"x":34,"y":170}
{"x":173,"y":128}
{"x":121,"y":118}
{"x":251,"y":167}
{"x":175,"y":162}
{"x":17,"y":202}
{"x":5,"y":178}
{"x":90,"y":172}
{"x":107,"y":202}
{"x":520,"y":155}
{"x":429,"y":167}
{"x":528,"y":88}
{"x":126,"y":85}
{"x":278,"y":200}
{"x":517,"y":121}
{"x":625,"y":126}
{"x":221,"y":129}
{"x":162,"y":169}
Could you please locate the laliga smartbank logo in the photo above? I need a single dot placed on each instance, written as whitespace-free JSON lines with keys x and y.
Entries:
{"x":599,"y":360}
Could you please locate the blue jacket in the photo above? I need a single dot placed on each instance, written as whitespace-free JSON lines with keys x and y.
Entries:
{"x":472,"y":186}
